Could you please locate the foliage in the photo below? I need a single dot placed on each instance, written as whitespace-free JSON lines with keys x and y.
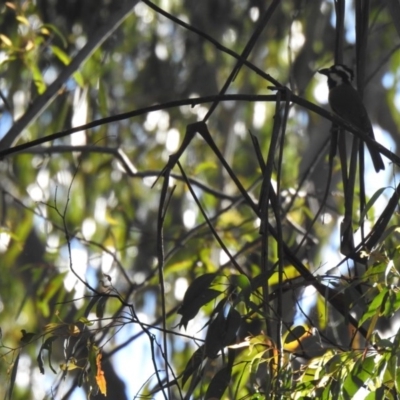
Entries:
{"x":175,"y":222}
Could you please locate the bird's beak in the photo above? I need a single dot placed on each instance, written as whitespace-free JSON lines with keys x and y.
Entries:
{"x":324,"y":71}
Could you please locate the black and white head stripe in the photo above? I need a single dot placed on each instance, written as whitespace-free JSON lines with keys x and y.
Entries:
{"x":337,"y":74}
{"x":343,"y":71}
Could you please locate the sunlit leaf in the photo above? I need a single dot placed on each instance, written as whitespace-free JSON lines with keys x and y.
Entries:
{"x":51,"y":289}
{"x":100,"y":378}
{"x":71,"y":365}
{"x":362,"y":371}
{"x":92,"y":358}
{"x":375,"y":306}
{"x":53,"y":28}
{"x":44,"y":31}
{"x":38,"y":78}
{"x":85,"y":321}
{"x":60,"y":54}
{"x":5,"y":40}
{"x":73,"y":330}
{"x":243,"y":282}
{"x":295,"y":335}
{"x":22,"y":19}
{"x":10,"y":5}
{"x":49,"y":328}
{"x":65,"y":59}
{"x":204,"y":166}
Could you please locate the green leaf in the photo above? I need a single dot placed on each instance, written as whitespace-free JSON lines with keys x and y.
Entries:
{"x":85,"y":321}
{"x":392,"y":369}
{"x":54,"y":29}
{"x":66,"y":60}
{"x":371,"y":202}
{"x":243,"y":282}
{"x":70,"y":365}
{"x":391,"y":303}
{"x":193,"y":364}
{"x":52,"y":288}
{"x":91,"y":375}
{"x":61,"y":54}
{"x":363,"y":371}
{"x":219,"y":383}
{"x":375,"y":306}
{"x":204,"y":166}
{"x":37,"y":78}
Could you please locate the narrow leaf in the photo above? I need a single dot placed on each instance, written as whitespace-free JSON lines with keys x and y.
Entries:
{"x":219,"y":384}
{"x":189,"y":309}
{"x":48,"y":345}
{"x":91,"y":304}
{"x":375,"y":306}
{"x":37,"y":78}
{"x":61,"y":55}
{"x":101,"y":305}
{"x":5,"y":40}
{"x":294,"y":336}
{"x":371,"y":202}
{"x":222,"y":331}
{"x":22,"y":19}
{"x":12,"y":377}
{"x":100,"y":378}
{"x":200,"y":284}
{"x":39,"y":360}
{"x":85,"y":321}
{"x":193,"y":364}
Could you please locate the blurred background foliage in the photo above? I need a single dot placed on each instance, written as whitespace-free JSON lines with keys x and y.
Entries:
{"x":86,"y":200}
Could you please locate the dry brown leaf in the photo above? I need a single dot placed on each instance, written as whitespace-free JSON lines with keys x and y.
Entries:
{"x":100,"y":378}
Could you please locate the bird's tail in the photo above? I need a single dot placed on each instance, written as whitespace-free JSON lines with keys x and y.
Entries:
{"x":376,"y":158}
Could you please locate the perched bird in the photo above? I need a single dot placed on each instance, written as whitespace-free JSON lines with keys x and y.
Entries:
{"x":346,"y":103}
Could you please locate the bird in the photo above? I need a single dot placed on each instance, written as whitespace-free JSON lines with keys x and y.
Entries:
{"x":346,"y":103}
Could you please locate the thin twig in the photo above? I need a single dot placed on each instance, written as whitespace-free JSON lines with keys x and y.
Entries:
{"x":201,"y":100}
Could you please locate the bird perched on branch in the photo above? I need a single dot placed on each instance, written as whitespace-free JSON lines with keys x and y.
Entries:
{"x":346,"y":103}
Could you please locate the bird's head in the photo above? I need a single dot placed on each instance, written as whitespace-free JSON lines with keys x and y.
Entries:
{"x":337,"y":74}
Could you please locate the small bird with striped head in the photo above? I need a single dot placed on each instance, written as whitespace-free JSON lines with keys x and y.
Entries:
{"x":346,"y":103}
